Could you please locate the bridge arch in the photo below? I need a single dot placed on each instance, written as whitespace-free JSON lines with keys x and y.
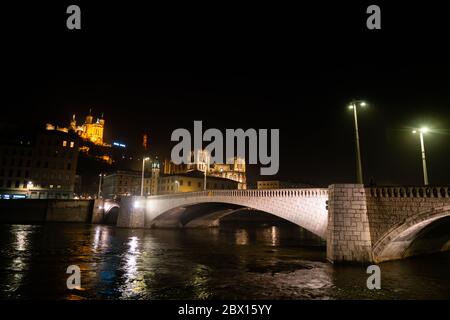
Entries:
{"x":307,"y":210}
{"x":396,"y":242}
{"x":111,"y":212}
{"x":197,"y":215}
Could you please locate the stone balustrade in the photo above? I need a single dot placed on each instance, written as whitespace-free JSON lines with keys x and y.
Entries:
{"x":410,"y":192}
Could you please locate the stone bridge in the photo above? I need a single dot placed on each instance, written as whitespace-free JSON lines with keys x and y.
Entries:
{"x":360,"y":224}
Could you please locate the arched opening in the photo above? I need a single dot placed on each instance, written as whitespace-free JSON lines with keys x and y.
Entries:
{"x":424,"y":234}
{"x":433,"y":238}
{"x":229,"y":217}
{"x":111,"y":216}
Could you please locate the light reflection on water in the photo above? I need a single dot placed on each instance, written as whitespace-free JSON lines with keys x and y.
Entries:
{"x":244,"y":261}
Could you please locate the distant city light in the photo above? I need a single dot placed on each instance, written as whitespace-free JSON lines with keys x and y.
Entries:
{"x":117,"y":144}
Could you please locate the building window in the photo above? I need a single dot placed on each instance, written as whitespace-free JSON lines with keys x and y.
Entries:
{"x":181,"y":182}
{"x":72,"y":144}
{"x":64,"y":143}
{"x":199,"y":184}
{"x":69,"y":166}
{"x":189,"y":183}
{"x":17,"y":184}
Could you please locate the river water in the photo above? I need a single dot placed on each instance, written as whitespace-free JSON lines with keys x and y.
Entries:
{"x":235,"y":261}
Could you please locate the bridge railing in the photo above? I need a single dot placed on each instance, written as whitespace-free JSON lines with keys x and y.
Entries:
{"x":410,"y":192}
{"x":288,"y":193}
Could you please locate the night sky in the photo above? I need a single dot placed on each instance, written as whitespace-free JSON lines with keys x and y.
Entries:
{"x":292,"y":72}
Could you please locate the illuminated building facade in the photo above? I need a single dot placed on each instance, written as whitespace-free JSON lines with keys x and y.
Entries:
{"x":235,"y":171}
{"x":125,"y":183}
{"x":91,"y":134}
{"x":89,"y":130}
{"x":41,"y":166}
{"x":278,"y":184}
{"x":193,"y":181}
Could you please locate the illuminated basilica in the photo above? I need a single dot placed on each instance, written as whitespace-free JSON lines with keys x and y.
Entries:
{"x":89,"y":130}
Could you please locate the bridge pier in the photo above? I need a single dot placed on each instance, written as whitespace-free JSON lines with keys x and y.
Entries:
{"x":348,"y":235}
{"x":132,"y":212}
{"x":98,"y":211}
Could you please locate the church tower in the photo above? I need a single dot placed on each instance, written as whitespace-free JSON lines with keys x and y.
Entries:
{"x":89,"y":117}
{"x":155,"y":177}
{"x":73,"y":124}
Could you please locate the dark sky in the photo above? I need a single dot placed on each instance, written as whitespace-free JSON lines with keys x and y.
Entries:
{"x":263,"y":70}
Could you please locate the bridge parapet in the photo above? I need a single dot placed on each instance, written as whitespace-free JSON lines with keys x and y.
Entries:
{"x":410,"y":192}
{"x":304,"y":192}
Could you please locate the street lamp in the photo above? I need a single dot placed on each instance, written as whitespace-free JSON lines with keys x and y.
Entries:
{"x":353,"y":106}
{"x":422,"y":149}
{"x":100,"y":185}
{"x":177,"y":183}
{"x":142,"y":178}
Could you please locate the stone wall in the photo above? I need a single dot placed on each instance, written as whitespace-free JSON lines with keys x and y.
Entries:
{"x":398,"y":215}
{"x":45,"y":210}
{"x":387,"y":207}
{"x":132,"y":212}
{"x":98,"y":211}
{"x":348,"y":235}
{"x":378,"y":224}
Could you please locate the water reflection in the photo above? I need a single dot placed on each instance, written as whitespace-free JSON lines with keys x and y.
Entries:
{"x":270,"y":235}
{"x":241,"y":237}
{"x":133,"y":279}
{"x":234,"y":261}
{"x":21,"y":242}
{"x":20,"y":250}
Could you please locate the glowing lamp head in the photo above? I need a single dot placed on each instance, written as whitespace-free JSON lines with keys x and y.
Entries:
{"x":414,"y":131}
{"x":363,"y":104}
{"x":146,"y":159}
{"x":424,"y":129}
{"x":351,"y":107}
